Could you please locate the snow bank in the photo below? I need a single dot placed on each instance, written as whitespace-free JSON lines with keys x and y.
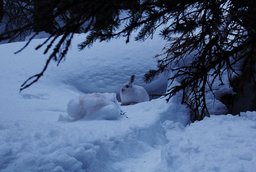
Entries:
{"x":107,"y":65}
{"x":102,"y":68}
{"x":219,"y":143}
{"x":94,"y":106}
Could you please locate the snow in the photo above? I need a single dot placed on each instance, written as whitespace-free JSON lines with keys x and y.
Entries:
{"x":219,"y":143}
{"x":35,"y":134}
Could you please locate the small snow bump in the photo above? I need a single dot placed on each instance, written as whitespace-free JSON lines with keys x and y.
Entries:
{"x":246,"y":156}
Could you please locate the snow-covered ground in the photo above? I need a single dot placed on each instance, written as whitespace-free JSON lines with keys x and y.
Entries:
{"x":149,"y":136}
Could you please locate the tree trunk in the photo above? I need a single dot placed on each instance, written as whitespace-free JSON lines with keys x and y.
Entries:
{"x":244,"y":86}
{"x":245,"y":98}
{"x":43,"y":16}
{"x":1,"y":10}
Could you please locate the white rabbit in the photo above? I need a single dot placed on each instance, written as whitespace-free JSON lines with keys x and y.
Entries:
{"x":131,"y":94}
{"x":94,"y":106}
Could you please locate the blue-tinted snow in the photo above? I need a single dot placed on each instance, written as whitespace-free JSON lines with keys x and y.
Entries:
{"x":149,"y":136}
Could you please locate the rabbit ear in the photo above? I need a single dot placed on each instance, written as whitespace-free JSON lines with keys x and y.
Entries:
{"x":132,"y":79}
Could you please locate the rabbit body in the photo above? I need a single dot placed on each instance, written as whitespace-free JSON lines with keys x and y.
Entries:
{"x":131,"y":93}
{"x":94,"y":106}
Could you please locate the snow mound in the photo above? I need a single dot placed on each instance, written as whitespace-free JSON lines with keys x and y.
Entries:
{"x":219,"y":143}
{"x":94,"y":106}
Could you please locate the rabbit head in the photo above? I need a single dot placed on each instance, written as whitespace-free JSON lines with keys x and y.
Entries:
{"x":129,"y":85}
{"x":131,"y":93}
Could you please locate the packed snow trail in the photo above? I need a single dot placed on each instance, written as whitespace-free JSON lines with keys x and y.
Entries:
{"x":218,"y":144}
{"x":82,"y":145}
